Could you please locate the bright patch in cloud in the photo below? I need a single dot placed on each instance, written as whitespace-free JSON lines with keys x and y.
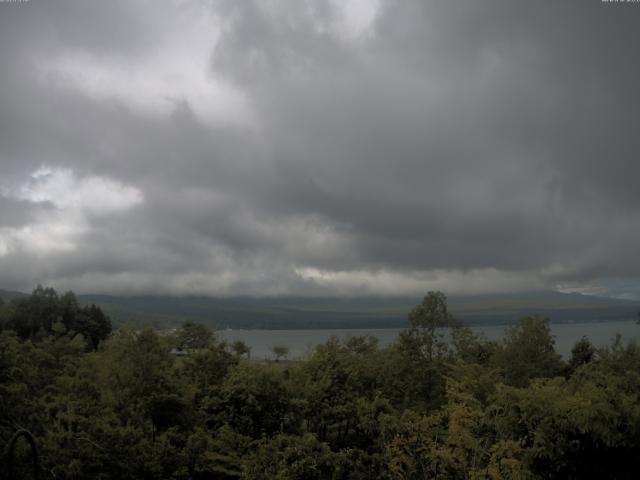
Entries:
{"x":75,"y":199}
{"x":52,"y":232}
{"x":65,"y":190}
{"x":358,"y":282}
{"x":356,"y":17}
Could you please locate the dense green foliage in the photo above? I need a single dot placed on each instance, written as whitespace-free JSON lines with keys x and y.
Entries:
{"x":44,"y":313}
{"x":439,"y":403}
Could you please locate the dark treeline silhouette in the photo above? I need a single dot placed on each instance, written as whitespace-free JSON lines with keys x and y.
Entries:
{"x":439,"y":403}
{"x":45,"y":313}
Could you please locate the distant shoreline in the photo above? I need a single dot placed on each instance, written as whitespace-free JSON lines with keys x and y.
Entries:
{"x":495,"y":324}
{"x":300,"y":341}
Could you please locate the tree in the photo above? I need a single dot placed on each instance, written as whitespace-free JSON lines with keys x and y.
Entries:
{"x":206,"y":368}
{"x":280,"y":351}
{"x":528,"y":351}
{"x":68,"y":309}
{"x":135,"y":367}
{"x":33,"y":316}
{"x":471,"y":348}
{"x":4,"y":314}
{"x":424,"y":320}
{"x":431,"y":313}
{"x":582,"y":353}
{"x":423,"y":352}
{"x":45,"y":313}
{"x":289,"y":457}
{"x":254,"y":400}
{"x":240,"y":348}
{"x":193,"y":336}
{"x":93,"y":324}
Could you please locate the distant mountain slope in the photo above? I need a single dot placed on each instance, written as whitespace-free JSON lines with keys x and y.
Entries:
{"x":359,"y":312}
{"x":7,"y":295}
{"x":560,"y":307}
{"x":363,"y":312}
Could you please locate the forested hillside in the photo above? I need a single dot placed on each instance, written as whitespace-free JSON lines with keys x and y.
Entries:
{"x":124,"y":406}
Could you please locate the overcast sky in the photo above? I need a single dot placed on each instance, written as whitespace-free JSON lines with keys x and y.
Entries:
{"x":320,"y":147}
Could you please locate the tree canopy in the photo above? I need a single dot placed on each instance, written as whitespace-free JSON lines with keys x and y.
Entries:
{"x":45,"y":313}
{"x":439,"y":403}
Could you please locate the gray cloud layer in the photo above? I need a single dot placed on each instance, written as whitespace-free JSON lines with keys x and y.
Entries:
{"x":319,"y":147}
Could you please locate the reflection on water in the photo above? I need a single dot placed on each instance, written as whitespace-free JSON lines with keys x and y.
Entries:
{"x":301,"y":342}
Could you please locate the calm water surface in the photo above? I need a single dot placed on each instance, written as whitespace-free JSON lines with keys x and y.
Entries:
{"x":301,"y":342}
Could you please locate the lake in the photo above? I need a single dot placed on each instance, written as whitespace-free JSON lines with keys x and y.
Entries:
{"x":301,"y":342}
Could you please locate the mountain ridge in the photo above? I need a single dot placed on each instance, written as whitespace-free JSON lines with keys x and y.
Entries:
{"x":299,"y":312}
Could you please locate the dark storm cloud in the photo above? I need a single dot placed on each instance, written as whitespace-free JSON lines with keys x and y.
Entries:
{"x":300,"y":147}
